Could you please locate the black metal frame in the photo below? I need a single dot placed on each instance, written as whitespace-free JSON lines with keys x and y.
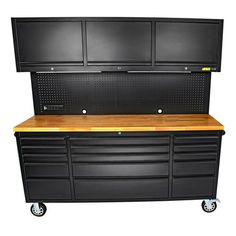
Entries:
{"x":91,"y":67}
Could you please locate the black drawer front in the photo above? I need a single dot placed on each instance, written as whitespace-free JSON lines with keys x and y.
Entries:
{"x":196,"y":139}
{"x":195,"y":156}
{"x":46,"y":170}
{"x":194,"y":168}
{"x":117,"y":157}
{"x":193,"y":187}
{"x":43,"y":147}
{"x":196,"y":148}
{"x":45,"y":157}
{"x":49,"y":189}
{"x":43,"y":150}
{"x":120,"y":170}
{"x":119,"y":141}
{"x":43,"y":141}
{"x":119,"y":149}
{"x":124,"y":189}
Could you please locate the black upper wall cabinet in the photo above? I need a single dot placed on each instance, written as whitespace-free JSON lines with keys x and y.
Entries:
{"x":117,"y":44}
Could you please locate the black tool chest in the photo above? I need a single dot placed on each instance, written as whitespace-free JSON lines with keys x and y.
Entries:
{"x":119,"y":66}
{"x":92,"y":167}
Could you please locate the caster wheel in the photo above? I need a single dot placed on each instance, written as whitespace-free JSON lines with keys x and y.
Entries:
{"x":209,"y":206}
{"x":38,"y":211}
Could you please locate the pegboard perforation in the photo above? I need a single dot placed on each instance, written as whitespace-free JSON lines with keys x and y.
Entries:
{"x":121,"y":93}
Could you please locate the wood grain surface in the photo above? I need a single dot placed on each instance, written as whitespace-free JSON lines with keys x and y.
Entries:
{"x":85,"y":123}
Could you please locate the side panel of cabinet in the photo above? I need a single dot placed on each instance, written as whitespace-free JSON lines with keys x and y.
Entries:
{"x":118,"y":42}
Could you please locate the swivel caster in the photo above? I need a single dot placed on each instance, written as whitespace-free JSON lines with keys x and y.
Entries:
{"x":38,"y":209}
{"x":209,"y":205}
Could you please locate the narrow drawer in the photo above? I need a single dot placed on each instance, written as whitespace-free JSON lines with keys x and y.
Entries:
{"x":193,"y":187}
{"x":49,"y":189}
{"x":45,"y":157}
{"x":120,"y":149}
{"x":46,"y":170}
{"x":43,"y":141}
{"x":125,"y":189}
{"x":195,"y":156}
{"x":196,"y":148}
{"x":120,"y":169}
{"x":119,"y":141}
{"x":194,"y":168}
{"x":43,"y":149}
{"x":196,"y":139}
{"x":117,"y":157}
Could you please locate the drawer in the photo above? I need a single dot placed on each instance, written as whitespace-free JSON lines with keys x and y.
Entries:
{"x":120,"y":169}
{"x":43,"y":141}
{"x":119,"y":140}
{"x":41,"y":190}
{"x":43,"y":150}
{"x":196,"y":148}
{"x":201,"y":139}
{"x":45,"y":157}
{"x":121,"y":189}
{"x":193,"y":187}
{"x":194,"y":168}
{"x":46,"y":170}
{"x":120,"y":149}
{"x":117,"y":157}
{"x":195,"y":156}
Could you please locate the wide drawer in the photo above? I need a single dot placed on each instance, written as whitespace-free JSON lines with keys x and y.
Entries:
{"x":46,"y":170}
{"x":120,"y":169}
{"x":119,"y":140}
{"x":120,"y":157}
{"x":193,"y":187}
{"x":121,"y":189}
{"x":40,"y":189}
{"x":194,"y":168}
{"x":120,"y":149}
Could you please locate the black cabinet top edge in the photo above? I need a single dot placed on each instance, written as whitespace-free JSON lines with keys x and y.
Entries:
{"x":208,"y":20}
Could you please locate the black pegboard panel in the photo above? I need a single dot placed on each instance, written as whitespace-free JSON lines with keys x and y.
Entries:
{"x":121,"y":93}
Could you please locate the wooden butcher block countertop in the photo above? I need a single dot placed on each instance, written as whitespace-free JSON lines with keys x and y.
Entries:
{"x":99,"y":123}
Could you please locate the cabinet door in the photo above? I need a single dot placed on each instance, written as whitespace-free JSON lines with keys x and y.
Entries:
{"x":119,"y":42}
{"x":187,"y":42}
{"x":49,"y":42}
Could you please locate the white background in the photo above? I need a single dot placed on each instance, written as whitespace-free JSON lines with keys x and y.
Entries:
{"x":143,"y":218}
